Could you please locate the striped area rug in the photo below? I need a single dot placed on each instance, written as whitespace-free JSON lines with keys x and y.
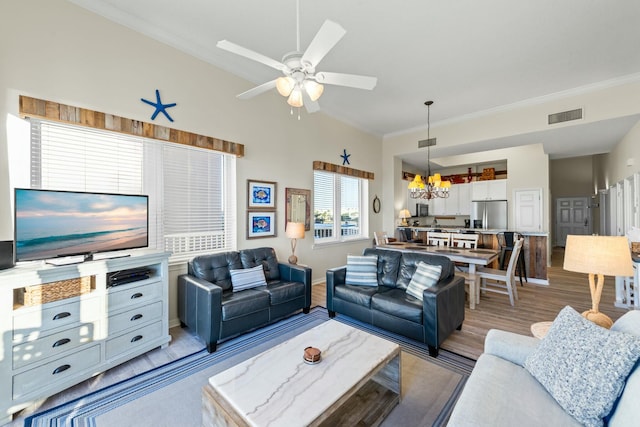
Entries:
{"x":170,"y":395}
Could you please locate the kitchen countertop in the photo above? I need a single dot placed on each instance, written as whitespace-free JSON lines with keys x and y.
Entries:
{"x":477,"y":230}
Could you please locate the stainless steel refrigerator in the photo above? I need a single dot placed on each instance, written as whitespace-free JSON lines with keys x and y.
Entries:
{"x":491,"y":214}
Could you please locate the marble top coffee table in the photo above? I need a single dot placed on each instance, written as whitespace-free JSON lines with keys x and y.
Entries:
{"x":357,"y":382}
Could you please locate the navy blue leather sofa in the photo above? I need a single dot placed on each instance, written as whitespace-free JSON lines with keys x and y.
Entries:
{"x":209,"y":307}
{"x":388,"y":306}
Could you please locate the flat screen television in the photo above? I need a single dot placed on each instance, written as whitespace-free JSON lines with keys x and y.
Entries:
{"x":50,"y":224}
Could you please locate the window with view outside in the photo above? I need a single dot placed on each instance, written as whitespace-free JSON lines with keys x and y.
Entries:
{"x":345,"y":195}
{"x":191,"y":190}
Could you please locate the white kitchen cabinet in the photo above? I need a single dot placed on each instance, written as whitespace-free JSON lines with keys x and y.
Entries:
{"x":458,"y":202}
{"x":49,"y":347}
{"x":464,"y":199}
{"x":437,"y":206}
{"x":489,"y":190}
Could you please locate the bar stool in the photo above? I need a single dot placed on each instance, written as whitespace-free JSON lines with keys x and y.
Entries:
{"x":506,"y":242}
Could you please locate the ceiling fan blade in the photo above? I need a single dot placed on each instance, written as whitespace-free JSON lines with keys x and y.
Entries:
{"x":351,"y":80}
{"x":250,"y":54}
{"x":264,"y":87}
{"x":311,"y":106}
{"x":328,"y":35}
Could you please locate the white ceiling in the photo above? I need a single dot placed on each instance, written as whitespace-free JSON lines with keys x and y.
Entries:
{"x":468,"y":56}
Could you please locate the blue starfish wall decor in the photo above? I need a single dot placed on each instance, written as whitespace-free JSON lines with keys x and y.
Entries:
{"x":160,"y":107}
{"x":345,"y":157}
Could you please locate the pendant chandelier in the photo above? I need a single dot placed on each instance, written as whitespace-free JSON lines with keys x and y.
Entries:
{"x":435,"y":186}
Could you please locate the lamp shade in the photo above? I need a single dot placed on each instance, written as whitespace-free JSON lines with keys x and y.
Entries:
{"x":285,"y":85}
{"x":314,"y":89}
{"x":606,"y":255}
{"x":404,"y":214}
{"x":295,"y":98}
{"x":295,"y":230}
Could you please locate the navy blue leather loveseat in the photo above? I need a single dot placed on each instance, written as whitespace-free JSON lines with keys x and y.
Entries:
{"x":388,"y":306}
{"x":208,"y":305}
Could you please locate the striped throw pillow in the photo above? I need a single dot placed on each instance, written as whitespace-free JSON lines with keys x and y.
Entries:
{"x":247,"y":278}
{"x":425,"y":276}
{"x":362,"y":270}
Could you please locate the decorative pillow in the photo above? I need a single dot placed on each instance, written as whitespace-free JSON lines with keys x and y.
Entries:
{"x":362,"y":270}
{"x":425,"y":276}
{"x":247,"y":278}
{"x":583,"y":366}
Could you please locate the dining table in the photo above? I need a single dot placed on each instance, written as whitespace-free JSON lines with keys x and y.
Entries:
{"x":473,"y":257}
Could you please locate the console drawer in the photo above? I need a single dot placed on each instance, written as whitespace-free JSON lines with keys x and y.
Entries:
{"x":131,"y":340}
{"x":134,"y":295}
{"x":133,"y":317}
{"x":54,"y":371}
{"x":30,"y":352}
{"x":32,"y":324}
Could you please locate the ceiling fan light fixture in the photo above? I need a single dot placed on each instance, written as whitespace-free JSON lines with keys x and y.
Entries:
{"x":314,"y":89}
{"x":295,"y":98}
{"x":285,"y":85}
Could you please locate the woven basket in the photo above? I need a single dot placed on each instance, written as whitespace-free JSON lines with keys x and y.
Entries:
{"x":488,"y":174}
{"x":54,"y":291}
{"x":635,"y":247}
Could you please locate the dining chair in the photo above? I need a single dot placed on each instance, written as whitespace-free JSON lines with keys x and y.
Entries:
{"x":501,"y":281}
{"x":463,"y":240}
{"x":506,"y":241}
{"x":406,"y":234}
{"x":466,"y":241}
{"x":438,"y":238}
{"x":380,"y":237}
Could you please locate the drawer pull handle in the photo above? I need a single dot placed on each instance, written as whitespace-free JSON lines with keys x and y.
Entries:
{"x":61,"y":315}
{"x":136,"y":338}
{"x":60,"y":369}
{"x":63,"y":341}
{"x":136,"y":317}
{"x":136,"y":295}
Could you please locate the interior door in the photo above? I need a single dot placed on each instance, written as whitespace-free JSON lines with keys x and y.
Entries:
{"x":572,"y":217}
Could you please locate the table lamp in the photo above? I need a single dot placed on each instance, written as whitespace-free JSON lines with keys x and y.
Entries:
{"x":598,"y":256}
{"x":294,"y":231}
{"x":404,"y":214}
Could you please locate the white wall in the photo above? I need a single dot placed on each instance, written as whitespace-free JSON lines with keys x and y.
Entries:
{"x":57,"y":51}
{"x":624,"y":159}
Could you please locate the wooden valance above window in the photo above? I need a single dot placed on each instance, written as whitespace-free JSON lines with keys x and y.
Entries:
{"x":343,"y":170}
{"x":38,"y":108}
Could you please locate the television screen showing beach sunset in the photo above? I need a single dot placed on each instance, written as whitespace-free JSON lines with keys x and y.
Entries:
{"x":51,"y":224}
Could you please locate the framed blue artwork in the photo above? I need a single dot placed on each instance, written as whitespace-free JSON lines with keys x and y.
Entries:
{"x":261,"y":224}
{"x":261,"y":195}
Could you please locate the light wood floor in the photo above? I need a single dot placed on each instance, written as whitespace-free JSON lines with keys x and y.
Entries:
{"x":536,"y":303}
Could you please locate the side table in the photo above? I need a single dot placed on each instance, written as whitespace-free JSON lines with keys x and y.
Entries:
{"x":540,"y":329}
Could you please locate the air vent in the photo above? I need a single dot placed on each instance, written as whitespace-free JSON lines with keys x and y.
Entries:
{"x":427,"y":143}
{"x":565,"y":116}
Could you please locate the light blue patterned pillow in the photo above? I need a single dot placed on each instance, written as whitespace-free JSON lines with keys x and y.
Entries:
{"x":247,"y":278}
{"x":362,"y":270}
{"x":583,"y":366}
{"x":425,"y":276}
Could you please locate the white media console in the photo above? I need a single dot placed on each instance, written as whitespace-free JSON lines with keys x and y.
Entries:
{"x":49,"y":347}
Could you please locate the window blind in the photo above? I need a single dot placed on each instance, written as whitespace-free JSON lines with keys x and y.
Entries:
{"x":74,"y":158}
{"x":191,"y":191}
{"x":199,"y":201}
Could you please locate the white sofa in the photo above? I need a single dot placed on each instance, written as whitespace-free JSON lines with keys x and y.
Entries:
{"x":501,"y":392}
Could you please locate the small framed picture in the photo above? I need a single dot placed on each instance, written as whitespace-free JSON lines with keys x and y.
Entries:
{"x":261,"y":195}
{"x":261,"y":224}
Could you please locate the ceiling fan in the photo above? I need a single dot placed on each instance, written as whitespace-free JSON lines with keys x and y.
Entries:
{"x":300,"y":81}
